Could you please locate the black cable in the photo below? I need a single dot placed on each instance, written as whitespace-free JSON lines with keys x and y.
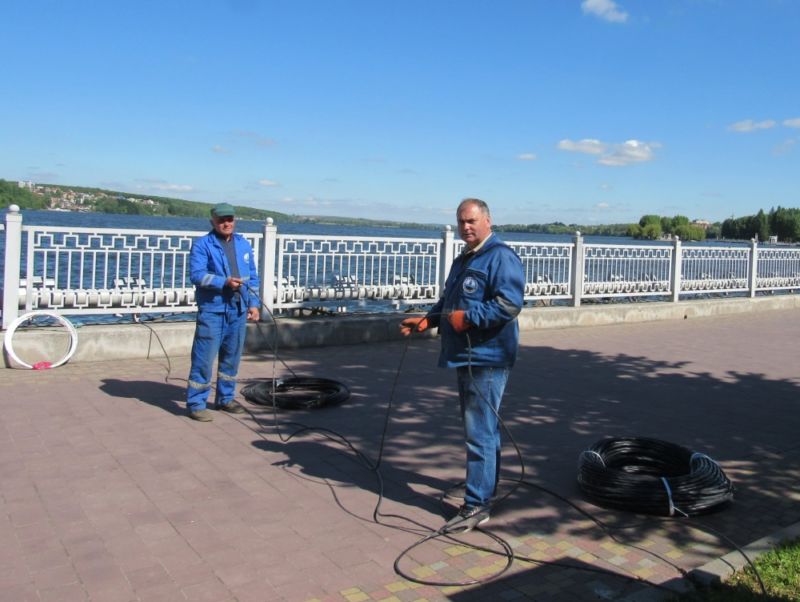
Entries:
{"x":650,"y":476}
{"x":442,"y":533}
{"x":296,"y":393}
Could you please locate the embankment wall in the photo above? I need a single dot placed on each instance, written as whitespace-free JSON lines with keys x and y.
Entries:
{"x":174,"y":339}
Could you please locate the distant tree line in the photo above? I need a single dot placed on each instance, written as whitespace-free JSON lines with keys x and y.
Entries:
{"x":780,"y":222}
{"x":561,"y":228}
{"x":653,"y":227}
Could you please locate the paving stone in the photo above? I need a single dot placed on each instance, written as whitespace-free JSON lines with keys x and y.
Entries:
{"x":111,"y":493}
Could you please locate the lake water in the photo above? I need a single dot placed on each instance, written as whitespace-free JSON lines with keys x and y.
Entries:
{"x":193,"y":224}
{"x":152,"y":222}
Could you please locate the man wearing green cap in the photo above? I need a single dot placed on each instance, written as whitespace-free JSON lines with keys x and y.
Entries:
{"x":222,"y":267}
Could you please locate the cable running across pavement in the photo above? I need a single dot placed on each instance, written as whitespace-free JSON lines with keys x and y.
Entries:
{"x":268,"y":390}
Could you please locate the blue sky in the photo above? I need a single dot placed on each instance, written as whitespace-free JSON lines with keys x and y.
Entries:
{"x":586,"y":112}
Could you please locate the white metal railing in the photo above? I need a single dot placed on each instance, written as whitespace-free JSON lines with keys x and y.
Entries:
{"x":716,"y":270}
{"x":100,"y":270}
{"x":623,"y":271}
{"x":312,"y":267}
{"x":777,"y":269}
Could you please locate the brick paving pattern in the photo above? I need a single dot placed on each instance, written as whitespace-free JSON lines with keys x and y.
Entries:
{"x":109,"y":493}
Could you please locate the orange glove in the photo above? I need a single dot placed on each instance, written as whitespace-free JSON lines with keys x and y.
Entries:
{"x":458,"y":320}
{"x":410,"y":325}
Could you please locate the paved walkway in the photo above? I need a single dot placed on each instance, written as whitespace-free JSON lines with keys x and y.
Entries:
{"x":109,"y":493}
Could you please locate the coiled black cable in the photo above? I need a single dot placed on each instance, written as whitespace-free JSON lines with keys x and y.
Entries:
{"x":296,"y":393}
{"x":650,"y":476}
{"x":374,"y":467}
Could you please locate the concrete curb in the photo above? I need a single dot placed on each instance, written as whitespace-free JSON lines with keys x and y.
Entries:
{"x":717,"y":571}
{"x":720,"y":569}
{"x":147,"y":340}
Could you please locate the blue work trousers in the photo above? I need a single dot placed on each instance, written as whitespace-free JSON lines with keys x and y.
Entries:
{"x":217,"y":335}
{"x":480,"y":390}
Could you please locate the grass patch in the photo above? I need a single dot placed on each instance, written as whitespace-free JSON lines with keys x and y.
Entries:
{"x":779,"y":570}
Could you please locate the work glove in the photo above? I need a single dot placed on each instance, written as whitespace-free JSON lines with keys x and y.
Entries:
{"x":458,"y":320}
{"x":410,"y":325}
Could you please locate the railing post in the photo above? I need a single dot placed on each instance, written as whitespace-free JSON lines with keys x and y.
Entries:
{"x":445,"y":257}
{"x":578,"y":269}
{"x":12,"y":265}
{"x":753,"y":267}
{"x":677,"y":262}
{"x":269,"y":251}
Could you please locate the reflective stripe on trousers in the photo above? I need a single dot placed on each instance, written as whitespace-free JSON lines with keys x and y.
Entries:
{"x":220,"y":336}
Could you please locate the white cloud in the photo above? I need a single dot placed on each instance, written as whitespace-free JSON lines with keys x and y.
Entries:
{"x":792,"y":123}
{"x":267,"y":183}
{"x":254,"y":137}
{"x":608,"y":10}
{"x":219,"y":149}
{"x":163,"y":186}
{"x":630,"y":151}
{"x":526,"y":157}
{"x":613,"y":155}
{"x":602,"y":206}
{"x":309,"y":201}
{"x":587,"y":145}
{"x":785,"y":147}
{"x":748,"y":125}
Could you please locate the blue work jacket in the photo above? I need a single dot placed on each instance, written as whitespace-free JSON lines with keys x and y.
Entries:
{"x":209,"y":269}
{"x":489,"y":285}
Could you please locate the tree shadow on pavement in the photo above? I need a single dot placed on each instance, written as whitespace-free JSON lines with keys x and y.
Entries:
{"x":558,"y":403}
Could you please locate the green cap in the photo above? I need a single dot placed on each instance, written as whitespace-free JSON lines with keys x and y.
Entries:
{"x":223,"y":210}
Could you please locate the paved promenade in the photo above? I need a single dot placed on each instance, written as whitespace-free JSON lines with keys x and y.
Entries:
{"x":109,"y":493}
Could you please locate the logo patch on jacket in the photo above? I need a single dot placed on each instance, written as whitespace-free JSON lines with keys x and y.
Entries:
{"x":470,"y":285}
{"x":246,"y":257}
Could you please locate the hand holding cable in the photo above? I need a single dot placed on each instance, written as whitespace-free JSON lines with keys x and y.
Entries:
{"x":233,"y":283}
{"x":417,"y":324}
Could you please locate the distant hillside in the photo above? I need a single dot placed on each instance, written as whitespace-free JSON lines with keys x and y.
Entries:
{"x":85,"y":199}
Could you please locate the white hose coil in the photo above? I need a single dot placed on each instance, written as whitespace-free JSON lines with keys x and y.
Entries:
{"x":73,"y":337}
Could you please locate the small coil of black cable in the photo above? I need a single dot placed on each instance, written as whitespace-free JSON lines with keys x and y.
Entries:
{"x":650,"y":476}
{"x":296,"y":393}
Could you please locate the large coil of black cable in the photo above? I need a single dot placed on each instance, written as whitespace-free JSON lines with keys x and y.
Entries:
{"x":297,"y":393}
{"x":650,"y":476}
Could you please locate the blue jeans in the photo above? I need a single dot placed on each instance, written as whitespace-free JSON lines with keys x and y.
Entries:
{"x":217,"y":335}
{"x":480,"y":389}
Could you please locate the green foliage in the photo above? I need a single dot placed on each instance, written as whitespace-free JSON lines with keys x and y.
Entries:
{"x":653,"y":227}
{"x":779,"y":570}
{"x":689,"y":232}
{"x":650,"y":220}
{"x":651,"y":231}
{"x":785,"y":224}
{"x":12,"y":194}
{"x":560,"y":228}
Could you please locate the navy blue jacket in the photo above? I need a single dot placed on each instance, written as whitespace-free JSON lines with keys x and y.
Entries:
{"x":489,"y":285}
{"x":209,"y":269}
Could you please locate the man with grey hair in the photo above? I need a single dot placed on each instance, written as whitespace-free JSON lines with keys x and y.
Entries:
{"x":223,"y":269}
{"x":482,"y":297}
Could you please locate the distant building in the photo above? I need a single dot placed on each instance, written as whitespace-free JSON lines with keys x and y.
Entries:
{"x":701,"y":223}
{"x":25,"y":184}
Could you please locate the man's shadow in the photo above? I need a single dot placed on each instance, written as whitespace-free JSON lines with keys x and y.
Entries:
{"x":334,"y":464}
{"x":168,"y":397}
